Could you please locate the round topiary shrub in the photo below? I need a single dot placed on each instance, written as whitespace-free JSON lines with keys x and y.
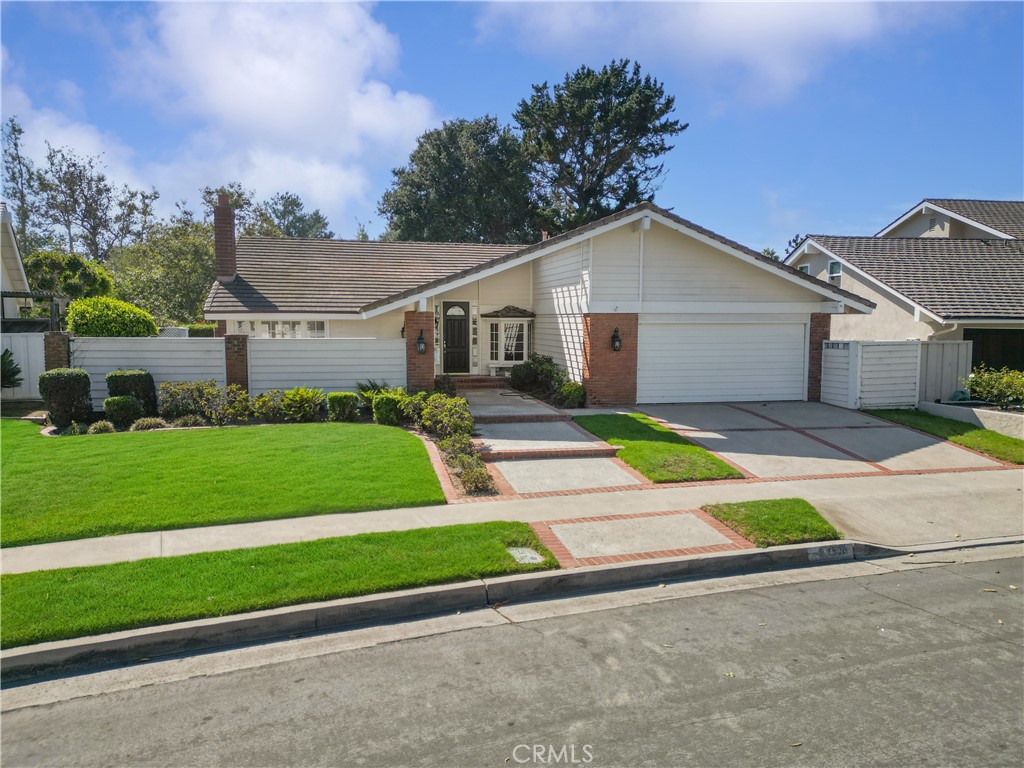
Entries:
{"x":103,"y":316}
{"x":123,"y":410}
{"x":102,"y":427}
{"x":137,"y":383}
{"x":147,"y":423}
{"x":65,"y":391}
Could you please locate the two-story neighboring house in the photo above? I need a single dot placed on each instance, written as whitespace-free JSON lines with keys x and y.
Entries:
{"x":945,"y":270}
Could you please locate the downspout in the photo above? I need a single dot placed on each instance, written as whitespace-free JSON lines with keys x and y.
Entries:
{"x":955,"y":327}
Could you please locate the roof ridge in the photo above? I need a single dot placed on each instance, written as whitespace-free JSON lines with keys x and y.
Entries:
{"x":374,"y":242}
{"x":967,"y":200}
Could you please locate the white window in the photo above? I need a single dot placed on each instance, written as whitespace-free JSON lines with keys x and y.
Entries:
{"x":835,"y":271}
{"x":245,"y":326}
{"x":805,"y":268}
{"x":509,"y":342}
{"x":316,"y":329}
{"x":269,"y":329}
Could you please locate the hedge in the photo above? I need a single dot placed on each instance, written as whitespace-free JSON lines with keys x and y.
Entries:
{"x":66,"y":394}
{"x":342,"y":406}
{"x":123,"y":410}
{"x":103,"y":316}
{"x":201,"y":330}
{"x":137,"y":383}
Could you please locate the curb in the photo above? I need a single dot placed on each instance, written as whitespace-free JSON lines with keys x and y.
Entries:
{"x":86,"y":654}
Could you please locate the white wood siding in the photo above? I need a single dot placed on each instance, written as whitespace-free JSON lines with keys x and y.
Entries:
{"x":889,"y":374}
{"x":944,"y":366}
{"x":839,"y":378}
{"x":27,"y":350}
{"x":559,"y":286}
{"x":334,"y":365}
{"x":706,"y":362}
{"x":561,"y":338}
{"x":166,"y":359}
{"x":615,"y":266}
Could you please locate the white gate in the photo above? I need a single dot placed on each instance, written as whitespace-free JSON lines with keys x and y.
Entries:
{"x":27,"y":349}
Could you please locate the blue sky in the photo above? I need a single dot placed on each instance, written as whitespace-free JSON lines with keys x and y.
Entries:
{"x":827,"y":118}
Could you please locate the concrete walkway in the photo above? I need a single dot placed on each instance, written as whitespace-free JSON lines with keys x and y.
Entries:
{"x":891,"y":510}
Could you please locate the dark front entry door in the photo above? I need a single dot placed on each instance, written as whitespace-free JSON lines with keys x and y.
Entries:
{"x":456,"y":336}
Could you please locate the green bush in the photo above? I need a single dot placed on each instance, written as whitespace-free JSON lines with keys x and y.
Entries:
{"x":147,"y":423}
{"x":190,"y":420}
{"x":387,"y":409}
{"x":446,"y":416}
{"x":301,"y":404}
{"x":1003,"y":388}
{"x":103,"y":316}
{"x":456,"y":445}
{"x":123,"y":410}
{"x":342,"y":406}
{"x":227,"y":405}
{"x":539,"y":374}
{"x":101,"y":427}
{"x":137,"y":383}
{"x":445,"y":385}
{"x":369,"y":390}
{"x":572,"y":395}
{"x":10,"y":371}
{"x":74,"y":428}
{"x":201,"y":330}
{"x":412,"y":407}
{"x":478,"y":481}
{"x":187,"y":398}
{"x":65,"y":392}
{"x":267,"y":407}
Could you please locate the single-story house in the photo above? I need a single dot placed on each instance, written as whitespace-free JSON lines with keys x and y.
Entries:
{"x":13,"y":281}
{"x":641,"y":306}
{"x":947,"y":270}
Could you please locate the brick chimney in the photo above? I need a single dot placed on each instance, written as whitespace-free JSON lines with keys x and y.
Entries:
{"x":224,"y":240}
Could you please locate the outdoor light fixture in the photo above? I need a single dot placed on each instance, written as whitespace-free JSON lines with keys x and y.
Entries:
{"x":616,"y":341}
{"x":403,"y":331}
{"x":421,"y":344}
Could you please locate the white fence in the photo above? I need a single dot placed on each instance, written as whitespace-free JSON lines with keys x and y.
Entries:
{"x":334,"y":365}
{"x":891,"y":374}
{"x":27,"y":350}
{"x":167,"y":359}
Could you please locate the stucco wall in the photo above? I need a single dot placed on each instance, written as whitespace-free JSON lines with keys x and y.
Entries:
{"x":918,"y":226}
{"x":892,"y":319}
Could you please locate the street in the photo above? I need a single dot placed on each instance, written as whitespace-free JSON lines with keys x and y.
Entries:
{"x":870,"y":666}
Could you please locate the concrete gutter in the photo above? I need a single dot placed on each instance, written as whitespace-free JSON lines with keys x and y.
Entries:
{"x":85,"y":654}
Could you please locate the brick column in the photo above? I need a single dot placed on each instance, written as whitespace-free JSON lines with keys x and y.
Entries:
{"x":236,"y":359}
{"x":610,"y":377}
{"x":820,"y":331}
{"x":56,"y":350}
{"x":221,"y":329}
{"x":419,"y":369}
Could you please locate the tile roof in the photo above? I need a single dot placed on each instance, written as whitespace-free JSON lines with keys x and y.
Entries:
{"x":952,"y":278}
{"x":1007,"y":216}
{"x":342,"y":276}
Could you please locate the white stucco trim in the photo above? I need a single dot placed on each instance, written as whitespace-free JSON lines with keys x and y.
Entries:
{"x":924,"y":207}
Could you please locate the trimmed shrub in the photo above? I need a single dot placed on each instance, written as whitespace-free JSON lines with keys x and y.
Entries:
{"x":103,"y":316}
{"x":147,"y":423}
{"x":230,"y":405}
{"x":185,"y":398}
{"x":123,"y":410}
{"x":455,"y":445}
{"x":369,"y":390}
{"x":412,"y":407}
{"x":387,"y":409}
{"x":301,"y":404}
{"x":445,"y":385}
{"x":342,"y":406}
{"x":267,"y":407}
{"x":101,"y":427}
{"x":201,"y":330}
{"x":137,"y":383}
{"x":539,"y":374}
{"x":1002,"y":388}
{"x":191,"y":420}
{"x":446,"y":416}
{"x":66,"y":394}
{"x":10,"y":371}
{"x":478,"y":481}
{"x":572,"y":395}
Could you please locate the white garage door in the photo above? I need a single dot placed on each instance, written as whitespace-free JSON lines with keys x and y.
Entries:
{"x":706,"y":363}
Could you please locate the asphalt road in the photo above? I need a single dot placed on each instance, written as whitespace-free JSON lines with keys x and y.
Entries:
{"x":899,"y":669}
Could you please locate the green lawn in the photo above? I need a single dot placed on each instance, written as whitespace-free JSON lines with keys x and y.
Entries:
{"x":993,"y":444}
{"x":656,"y":452}
{"x":57,"y":488}
{"x":73,"y":602}
{"x":775,"y":521}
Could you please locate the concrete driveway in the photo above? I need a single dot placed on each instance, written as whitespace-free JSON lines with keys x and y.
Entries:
{"x":797,"y":439}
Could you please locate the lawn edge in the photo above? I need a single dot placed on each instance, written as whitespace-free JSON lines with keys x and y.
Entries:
{"x":1005,"y":462}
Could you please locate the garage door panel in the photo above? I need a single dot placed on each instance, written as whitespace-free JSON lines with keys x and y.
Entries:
{"x":707,"y":362}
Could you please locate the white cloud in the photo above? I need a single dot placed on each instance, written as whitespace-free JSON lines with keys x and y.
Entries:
{"x":763,"y":50}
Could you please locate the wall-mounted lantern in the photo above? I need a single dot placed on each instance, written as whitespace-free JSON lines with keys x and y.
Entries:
{"x":616,"y":341}
{"x":403,"y":331}
{"x":421,"y":344}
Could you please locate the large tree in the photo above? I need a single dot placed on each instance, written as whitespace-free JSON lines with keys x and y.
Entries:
{"x":289,"y":214}
{"x":595,"y":140}
{"x":68,"y":274}
{"x":21,"y":188}
{"x":251,"y":217}
{"x":467,"y":181}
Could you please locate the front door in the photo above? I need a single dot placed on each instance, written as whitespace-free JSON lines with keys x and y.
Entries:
{"x":456,"y":336}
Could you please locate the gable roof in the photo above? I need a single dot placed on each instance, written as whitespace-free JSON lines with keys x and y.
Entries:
{"x":14,"y":267}
{"x":364,"y":276}
{"x":949,"y":278}
{"x":1003,"y":218}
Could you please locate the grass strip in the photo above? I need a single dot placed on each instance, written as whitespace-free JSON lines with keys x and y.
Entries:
{"x":994,"y":444}
{"x":657,"y":452}
{"x":74,"y":602}
{"x":60,"y":488}
{"x":774,"y":521}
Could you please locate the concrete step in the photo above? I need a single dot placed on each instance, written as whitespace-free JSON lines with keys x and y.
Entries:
{"x":522,"y":418}
{"x":593,"y":452}
{"x":480,"y":382}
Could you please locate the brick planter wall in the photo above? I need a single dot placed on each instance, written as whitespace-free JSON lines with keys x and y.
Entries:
{"x":56,"y":350}
{"x":419,"y":368}
{"x":820,"y":331}
{"x":236,"y":359}
{"x":610,"y":377}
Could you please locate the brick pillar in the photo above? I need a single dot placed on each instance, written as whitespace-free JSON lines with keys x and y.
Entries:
{"x":419,"y":368}
{"x":221,"y":329}
{"x":820,"y":331}
{"x":56,"y":350}
{"x":236,"y":359}
{"x":610,"y":377}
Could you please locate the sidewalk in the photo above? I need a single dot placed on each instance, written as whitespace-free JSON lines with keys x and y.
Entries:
{"x":889,"y":510}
